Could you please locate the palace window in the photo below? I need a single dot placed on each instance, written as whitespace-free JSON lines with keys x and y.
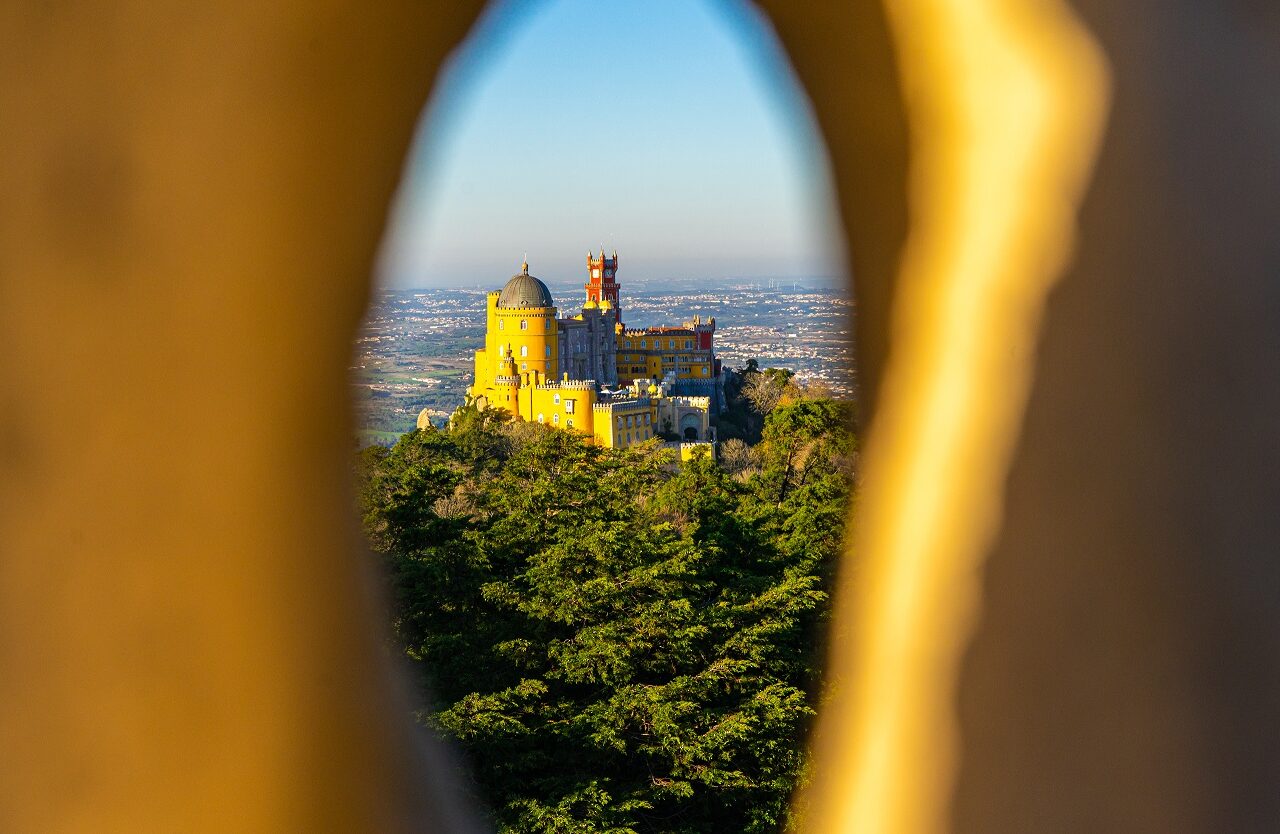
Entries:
{"x":524,"y":350}
{"x":568,"y":406}
{"x":619,"y":424}
{"x":619,"y":438}
{"x":541,"y":419}
{"x":524,"y":324}
{"x":704,"y":370}
{"x":524,"y":366}
{"x":502,"y":325}
{"x":687,"y":344}
{"x":548,"y":351}
{"x":644,"y":343}
{"x":557,"y":399}
{"x":548,"y":324}
{"x":555,"y":418}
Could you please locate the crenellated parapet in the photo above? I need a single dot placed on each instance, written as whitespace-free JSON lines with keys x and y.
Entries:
{"x":690,"y":402}
{"x":568,"y":385}
{"x":616,"y":403}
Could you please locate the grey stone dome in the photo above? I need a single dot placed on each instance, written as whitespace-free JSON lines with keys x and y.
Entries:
{"x":524,"y":291}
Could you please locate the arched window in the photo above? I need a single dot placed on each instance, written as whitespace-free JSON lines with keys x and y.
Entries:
{"x":502,"y":325}
{"x":548,"y":351}
{"x":541,"y":419}
{"x":548,"y":324}
{"x":557,"y":399}
{"x":555,"y":418}
{"x":524,"y":350}
{"x":524,"y":324}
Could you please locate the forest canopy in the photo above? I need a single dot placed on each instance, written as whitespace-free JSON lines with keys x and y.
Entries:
{"x":618,"y":642}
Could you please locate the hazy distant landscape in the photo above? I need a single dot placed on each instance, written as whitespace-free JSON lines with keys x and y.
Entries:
{"x":414,"y":350}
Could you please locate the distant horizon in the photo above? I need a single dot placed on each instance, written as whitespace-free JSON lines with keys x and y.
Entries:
{"x":830,"y":282}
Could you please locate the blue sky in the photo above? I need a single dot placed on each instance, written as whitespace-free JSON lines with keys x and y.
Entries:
{"x":670,"y":130}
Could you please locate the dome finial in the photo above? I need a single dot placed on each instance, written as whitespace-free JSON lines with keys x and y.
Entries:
{"x":524,"y":291}
{"x":524,"y":265}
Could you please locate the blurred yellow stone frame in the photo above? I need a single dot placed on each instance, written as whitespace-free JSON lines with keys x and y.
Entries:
{"x":188,"y":641}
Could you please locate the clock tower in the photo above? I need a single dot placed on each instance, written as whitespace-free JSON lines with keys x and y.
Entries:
{"x":602,"y":282}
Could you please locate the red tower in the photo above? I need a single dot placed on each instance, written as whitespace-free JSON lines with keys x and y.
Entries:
{"x":602,"y":283}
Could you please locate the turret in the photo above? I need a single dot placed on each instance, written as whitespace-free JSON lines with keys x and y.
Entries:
{"x":602,"y":280}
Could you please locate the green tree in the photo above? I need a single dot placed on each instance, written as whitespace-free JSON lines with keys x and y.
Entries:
{"x":618,"y":643}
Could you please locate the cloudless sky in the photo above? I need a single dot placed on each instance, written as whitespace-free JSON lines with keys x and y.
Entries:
{"x":671,"y":130}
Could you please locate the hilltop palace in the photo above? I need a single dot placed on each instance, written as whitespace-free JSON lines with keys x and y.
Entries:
{"x":619,"y":386}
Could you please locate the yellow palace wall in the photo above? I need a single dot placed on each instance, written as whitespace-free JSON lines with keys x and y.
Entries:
{"x":565,"y":404}
{"x":653,"y":356}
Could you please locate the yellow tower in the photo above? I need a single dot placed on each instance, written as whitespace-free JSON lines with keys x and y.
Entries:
{"x":520,"y":337}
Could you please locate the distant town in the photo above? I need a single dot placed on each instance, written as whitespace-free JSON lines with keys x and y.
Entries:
{"x":415,"y":349}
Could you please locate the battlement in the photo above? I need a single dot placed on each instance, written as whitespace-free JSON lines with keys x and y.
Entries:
{"x":603,"y":260}
{"x":658,"y":331}
{"x":623,"y":404}
{"x":691,"y":402}
{"x":568,"y":385}
{"x":688,"y":450}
